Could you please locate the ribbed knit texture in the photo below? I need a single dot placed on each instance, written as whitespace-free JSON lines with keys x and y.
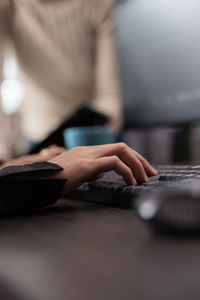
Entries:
{"x":66,"y":53}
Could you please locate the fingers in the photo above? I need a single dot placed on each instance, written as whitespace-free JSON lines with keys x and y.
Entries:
{"x":148,"y":168}
{"x":51,"y":151}
{"x":139,"y":166}
{"x":110,"y":163}
{"x":93,"y":160}
{"x":134,"y":164}
{"x":56,"y":148}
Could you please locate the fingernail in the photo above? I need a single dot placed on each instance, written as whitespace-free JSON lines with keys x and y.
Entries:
{"x":154,"y":171}
{"x":134,"y":182}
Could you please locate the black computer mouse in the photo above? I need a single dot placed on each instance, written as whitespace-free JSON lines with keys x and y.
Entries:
{"x":173,"y":209}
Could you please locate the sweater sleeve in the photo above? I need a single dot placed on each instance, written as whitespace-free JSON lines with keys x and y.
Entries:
{"x":21,"y":192}
{"x":107,"y":82}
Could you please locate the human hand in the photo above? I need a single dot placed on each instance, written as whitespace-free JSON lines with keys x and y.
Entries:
{"x":83,"y":164}
{"x":43,"y":155}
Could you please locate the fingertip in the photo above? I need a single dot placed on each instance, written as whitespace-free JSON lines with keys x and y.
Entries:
{"x":151,"y":171}
{"x":134,"y":182}
{"x":154,"y":171}
{"x":131,"y":182}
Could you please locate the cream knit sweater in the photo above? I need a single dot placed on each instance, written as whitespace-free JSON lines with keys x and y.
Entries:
{"x":66,"y":53}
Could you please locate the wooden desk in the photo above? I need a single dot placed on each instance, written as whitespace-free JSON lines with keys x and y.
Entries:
{"x":81,"y":251}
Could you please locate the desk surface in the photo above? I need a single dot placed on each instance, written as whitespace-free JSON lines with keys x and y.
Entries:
{"x":83,"y":251}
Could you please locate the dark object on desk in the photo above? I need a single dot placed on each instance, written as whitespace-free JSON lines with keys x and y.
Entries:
{"x":174,"y":209}
{"x":22,"y":190}
{"x":82,"y":117}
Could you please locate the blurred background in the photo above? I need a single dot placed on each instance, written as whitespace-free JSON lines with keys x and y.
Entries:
{"x":136,"y":61}
{"x":160,"y":69}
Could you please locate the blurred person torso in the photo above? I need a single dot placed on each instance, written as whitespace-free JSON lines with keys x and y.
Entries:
{"x":65,"y":50}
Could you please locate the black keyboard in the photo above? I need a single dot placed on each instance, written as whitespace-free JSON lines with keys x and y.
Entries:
{"x":112,"y":190}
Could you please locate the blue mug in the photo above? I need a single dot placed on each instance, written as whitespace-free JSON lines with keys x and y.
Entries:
{"x":87,"y":136}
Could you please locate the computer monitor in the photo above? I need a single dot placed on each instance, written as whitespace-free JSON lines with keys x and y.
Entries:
{"x":159,"y":55}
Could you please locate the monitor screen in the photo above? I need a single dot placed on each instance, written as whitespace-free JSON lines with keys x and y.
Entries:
{"x":159,"y":55}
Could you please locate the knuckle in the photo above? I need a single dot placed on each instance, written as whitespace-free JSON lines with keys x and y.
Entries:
{"x":139,"y":165}
{"x":114,"y":159}
{"x":143,"y":160}
{"x":129,"y":172}
{"x":122,"y":146}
